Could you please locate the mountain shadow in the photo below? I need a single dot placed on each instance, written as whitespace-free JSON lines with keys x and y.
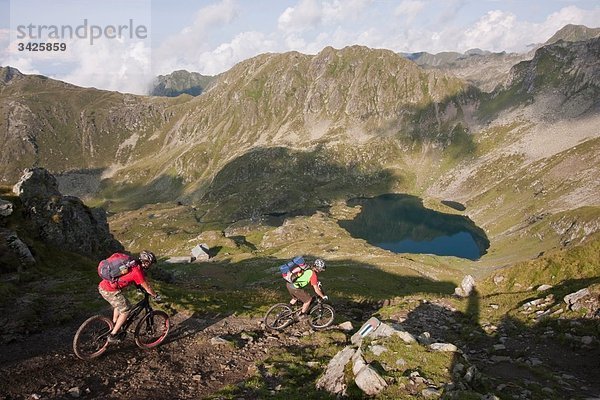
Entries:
{"x":279,"y":180}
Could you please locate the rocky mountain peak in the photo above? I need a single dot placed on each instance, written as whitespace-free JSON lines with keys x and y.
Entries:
{"x":7,"y":74}
{"x":181,"y":82}
{"x":574,"y":33}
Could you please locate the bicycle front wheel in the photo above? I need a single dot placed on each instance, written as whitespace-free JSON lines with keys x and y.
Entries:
{"x":278,"y":317}
{"x":91,"y":339}
{"x":321,"y":316}
{"x":152,"y":329}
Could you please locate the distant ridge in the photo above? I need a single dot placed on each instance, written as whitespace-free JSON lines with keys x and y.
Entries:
{"x":181,"y":82}
{"x":574,"y":33}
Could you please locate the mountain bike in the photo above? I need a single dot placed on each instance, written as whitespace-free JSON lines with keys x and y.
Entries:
{"x":91,"y":339}
{"x":282,"y":315}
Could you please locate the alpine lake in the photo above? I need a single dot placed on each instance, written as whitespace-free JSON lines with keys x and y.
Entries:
{"x":401,"y":224}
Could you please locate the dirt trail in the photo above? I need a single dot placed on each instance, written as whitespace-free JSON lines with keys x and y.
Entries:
{"x":187,"y":364}
{"x":205,"y":353}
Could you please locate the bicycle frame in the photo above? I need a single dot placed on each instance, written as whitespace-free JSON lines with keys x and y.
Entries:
{"x":142,"y":305}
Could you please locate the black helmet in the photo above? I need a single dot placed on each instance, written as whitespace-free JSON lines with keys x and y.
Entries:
{"x":319,"y":265}
{"x":148,"y":257}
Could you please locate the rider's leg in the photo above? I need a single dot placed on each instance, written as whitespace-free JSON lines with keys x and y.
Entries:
{"x":120,"y":306}
{"x":299,"y":294}
{"x":120,"y":321}
{"x":306,"y":306}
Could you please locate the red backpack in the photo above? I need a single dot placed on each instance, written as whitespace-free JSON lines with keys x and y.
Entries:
{"x":115,"y":266}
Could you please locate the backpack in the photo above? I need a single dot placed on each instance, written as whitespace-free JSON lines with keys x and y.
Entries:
{"x":291,"y":270}
{"x":115,"y":266}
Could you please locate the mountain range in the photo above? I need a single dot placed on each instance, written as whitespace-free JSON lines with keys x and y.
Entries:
{"x":282,"y":133}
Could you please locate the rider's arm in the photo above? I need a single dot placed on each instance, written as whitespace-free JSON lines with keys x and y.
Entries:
{"x":148,"y":288}
{"x":318,"y":290}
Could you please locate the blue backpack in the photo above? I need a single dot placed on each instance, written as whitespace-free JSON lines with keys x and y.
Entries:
{"x":291,"y":270}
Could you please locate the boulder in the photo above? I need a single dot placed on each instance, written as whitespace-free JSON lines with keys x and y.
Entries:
{"x":466,"y":287}
{"x":64,"y":221}
{"x":365,"y":377}
{"x":446,"y":347}
{"x":573,"y":299}
{"x":333,"y":379}
{"x":14,"y":254}
{"x":36,"y":184}
{"x":376,"y":329}
{"x":6,"y":208}
{"x":200,"y":252}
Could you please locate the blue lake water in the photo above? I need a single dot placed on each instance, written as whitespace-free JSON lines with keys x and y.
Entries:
{"x":460,"y":244}
{"x":400,"y":223}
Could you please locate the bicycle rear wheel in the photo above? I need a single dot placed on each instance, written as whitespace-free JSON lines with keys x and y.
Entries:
{"x":279,"y":316}
{"x":91,"y":339}
{"x":321,"y":316}
{"x":152,"y":329}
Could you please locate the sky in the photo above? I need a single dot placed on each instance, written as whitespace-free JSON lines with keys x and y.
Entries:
{"x":123,"y":44}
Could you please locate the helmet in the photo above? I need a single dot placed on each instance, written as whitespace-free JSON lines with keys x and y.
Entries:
{"x":319,"y":265}
{"x":147,"y":256}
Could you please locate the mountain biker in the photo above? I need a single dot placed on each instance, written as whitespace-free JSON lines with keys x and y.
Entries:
{"x":309,"y":276}
{"x":111,"y":291}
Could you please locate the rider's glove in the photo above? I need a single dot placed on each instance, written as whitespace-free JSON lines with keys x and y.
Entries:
{"x":325,"y":298}
{"x":157,"y":298}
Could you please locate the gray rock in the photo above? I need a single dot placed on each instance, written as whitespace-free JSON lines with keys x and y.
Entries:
{"x":431,"y":392}
{"x":365,"y":330}
{"x":573,"y":298}
{"x":200,"y":252}
{"x":449,"y":347}
{"x":64,"y":221}
{"x":179,"y":260}
{"x":424,"y":338}
{"x":378,"y":350}
{"x":406,"y":336}
{"x":472,"y":374}
{"x":365,"y":377}
{"x":466,"y":287}
{"x":346,"y":326}
{"x":333,"y":379}
{"x":358,"y":362}
{"x":6,"y":208}
{"x":36,"y":184}
{"x":541,"y":288}
{"x":217,"y":341}
{"x":587,"y":340}
{"x":75,"y":392}
{"x":498,"y":359}
{"x":13,"y":252}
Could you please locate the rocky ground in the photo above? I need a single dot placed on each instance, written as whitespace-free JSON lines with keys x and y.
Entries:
{"x":205,"y":353}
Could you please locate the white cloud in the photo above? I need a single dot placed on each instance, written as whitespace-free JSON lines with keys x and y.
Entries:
{"x":245,"y":45}
{"x":311,"y":14}
{"x":496,"y":30}
{"x":502,"y":31}
{"x":342,"y":11}
{"x":111,"y":65}
{"x":184,"y":49}
{"x":567,"y":15}
{"x":306,"y":15}
{"x":409,"y":9}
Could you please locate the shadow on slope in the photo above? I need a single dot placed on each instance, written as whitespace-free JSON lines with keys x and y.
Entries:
{"x":278,"y":180}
